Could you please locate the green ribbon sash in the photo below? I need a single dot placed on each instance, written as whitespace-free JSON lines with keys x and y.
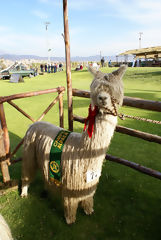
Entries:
{"x":55,"y":156}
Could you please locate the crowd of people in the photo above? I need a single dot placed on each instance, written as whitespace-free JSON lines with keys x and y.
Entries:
{"x":58,"y":67}
{"x":51,"y":68}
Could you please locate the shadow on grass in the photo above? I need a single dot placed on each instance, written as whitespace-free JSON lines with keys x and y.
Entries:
{"x":146,"y":95}
{"x":84,"y":70}
{"x":14,"y":169}
{"x":133,"y":204}
{"x":144,"y":90}
{"x":148,"y":74}
{"x":78,"y":102}
{"x":125,"y":208}
{"x":14,"y":140}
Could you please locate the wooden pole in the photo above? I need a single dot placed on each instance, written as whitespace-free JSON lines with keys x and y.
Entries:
{"x":30,"y":94}
{"x":128,"y":101}
{"x":68,"y":65}
{"x":81,"y":93}
{"x":20,"y":110}
{"x":48,"y":108}
{"x":136,"y":133}
{"x":3,"y":163}
{"x":129,"y":131}
{"x":2,"y":148}
{"x":5,"y":145}
{"x":5,"y":130}
{"x":136,"y":166}
{"x":141,"y":103}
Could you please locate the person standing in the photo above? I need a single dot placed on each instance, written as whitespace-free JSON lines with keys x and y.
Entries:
{"x":109,"y":63}
{"x":55,"y":68}
{"x":52,"y":68}
{"x":42,"y":68}
{"x":49,"y":68}
{"x":46,"y":67}
{"x":102,"y":61}
{"x":60,"y":67}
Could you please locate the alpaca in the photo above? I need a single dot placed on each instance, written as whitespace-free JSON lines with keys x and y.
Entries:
{"x":5,"y":233}
{"x":83,"y":154}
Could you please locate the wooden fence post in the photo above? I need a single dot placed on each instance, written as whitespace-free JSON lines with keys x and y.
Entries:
{"x":4,"y":146}
{"x":68,"y":65}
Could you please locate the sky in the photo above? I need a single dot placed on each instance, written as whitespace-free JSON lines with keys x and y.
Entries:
{"x":108,"y":27}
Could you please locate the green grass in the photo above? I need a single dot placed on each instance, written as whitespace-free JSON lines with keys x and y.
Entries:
{"x":127,"y":203}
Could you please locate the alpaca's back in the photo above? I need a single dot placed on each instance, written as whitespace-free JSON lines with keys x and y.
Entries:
{"x":36,"y":149}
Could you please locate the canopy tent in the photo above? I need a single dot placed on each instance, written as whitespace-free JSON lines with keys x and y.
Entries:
{"x":151,"y":52}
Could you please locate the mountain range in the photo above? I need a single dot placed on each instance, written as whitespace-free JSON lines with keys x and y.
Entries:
{"x":15,"y":57}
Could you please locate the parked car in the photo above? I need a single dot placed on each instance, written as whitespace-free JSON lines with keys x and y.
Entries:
{"x":17,"y":68}
{"x":5,"y":74}
{"x":24,"y":73}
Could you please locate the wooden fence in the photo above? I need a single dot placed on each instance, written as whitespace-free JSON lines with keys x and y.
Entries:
{"x":137,"y":103}
{"x":5,"y":152}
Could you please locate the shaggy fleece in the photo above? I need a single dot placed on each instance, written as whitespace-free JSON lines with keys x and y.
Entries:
{"x":82,"y":156}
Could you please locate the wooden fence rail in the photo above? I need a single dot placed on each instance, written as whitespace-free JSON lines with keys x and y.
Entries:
{"x":136,"y":166}
{"x":139,"y":103}
{"x":30,"y":94}
{"x":128,"y":101}
{"x":129,"y":131}
{"x":5,"y":157}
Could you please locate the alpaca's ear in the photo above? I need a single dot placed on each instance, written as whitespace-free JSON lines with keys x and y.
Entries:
{"x":92,"y":70}
{"x":120,"y":72}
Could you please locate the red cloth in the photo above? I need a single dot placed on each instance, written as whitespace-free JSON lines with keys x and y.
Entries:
{"x":91,"y":118}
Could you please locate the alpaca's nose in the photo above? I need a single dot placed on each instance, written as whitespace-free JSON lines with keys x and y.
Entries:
{"x":103,"y":98}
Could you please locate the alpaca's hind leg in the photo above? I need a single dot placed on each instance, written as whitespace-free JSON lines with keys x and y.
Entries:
{"x":87,"y":205}
{"x":70,"y":209}
{"x":29,"y":168}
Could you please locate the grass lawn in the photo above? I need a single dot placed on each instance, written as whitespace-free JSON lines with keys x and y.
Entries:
{"x":127,"y":203}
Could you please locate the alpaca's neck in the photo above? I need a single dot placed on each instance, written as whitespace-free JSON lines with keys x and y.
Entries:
{"x":103,"y":131}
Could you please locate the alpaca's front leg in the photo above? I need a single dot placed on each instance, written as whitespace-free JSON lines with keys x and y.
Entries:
{"x":87,"y":205}
{"x":70,"y":209}
{"x":24,"y":189}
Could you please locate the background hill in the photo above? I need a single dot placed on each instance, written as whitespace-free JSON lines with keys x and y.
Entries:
{"x":14,"y":57}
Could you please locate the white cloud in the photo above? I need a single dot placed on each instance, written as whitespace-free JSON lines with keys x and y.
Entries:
{"x":3,"y":28}
{"x":114,"y":45}
{"x":82,"y":5}
{"x":144,"y":12}
{"x":43,"y":1}
{"x":31,"y":44}
{"x":140,"y":16}
{"x":51,"y":2}
{"x":40,"y":14}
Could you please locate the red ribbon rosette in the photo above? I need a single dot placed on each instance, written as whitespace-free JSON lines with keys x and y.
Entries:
{"x":91,"y":118}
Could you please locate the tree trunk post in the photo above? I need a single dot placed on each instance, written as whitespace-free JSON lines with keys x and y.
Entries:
{"x":68,"y":65}
{"x":4,"y":146}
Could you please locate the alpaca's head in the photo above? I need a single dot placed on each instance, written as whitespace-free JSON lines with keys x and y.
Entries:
{"x":106,"y":86}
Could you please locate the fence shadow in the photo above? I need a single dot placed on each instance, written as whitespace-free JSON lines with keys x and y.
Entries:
{"x":118,"y":204}
{"x":145,"y":94}
{"x":79,"y":102}
{"x":147,"y":74}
